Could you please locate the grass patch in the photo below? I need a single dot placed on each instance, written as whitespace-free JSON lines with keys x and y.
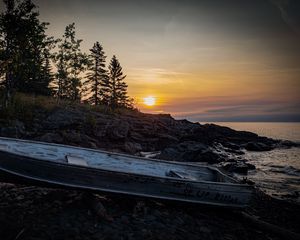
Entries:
{"x":23,"y":107}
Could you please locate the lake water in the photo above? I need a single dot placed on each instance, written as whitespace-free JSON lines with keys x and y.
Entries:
{"x":278,"y":171}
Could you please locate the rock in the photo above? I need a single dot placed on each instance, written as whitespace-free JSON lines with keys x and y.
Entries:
{"x":231,"y":146}
{"x":165,"y":140}
{"x":237,"y":167}
{"x":238,"y":152}
{"x":136,"y":136}
{"x":15,"y":130}
{"x":87,"y":141}
{"x":64,"y":119}
{"x":72,"y":137}
{"x":51,"y":138}
{"x":250,"y":166}
{"x":190,"y":152}
{"x":288,"y":144}
{"x":124,"y":219}
{"x":210,"y":133}
{"x":132,"y":147}
{"x":170,"y":154}
{"x":20,"y":127}
{"x":258,"y":146}
{"x":8,"y":132}
{"x":117,"y":130}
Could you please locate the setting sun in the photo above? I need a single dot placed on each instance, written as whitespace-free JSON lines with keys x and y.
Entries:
{"x":149,"y":101}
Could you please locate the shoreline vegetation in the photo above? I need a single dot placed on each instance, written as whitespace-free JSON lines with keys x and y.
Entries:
{"x":51,"y":91}
{"x":35,"y":212}
{"x":34,"y":63}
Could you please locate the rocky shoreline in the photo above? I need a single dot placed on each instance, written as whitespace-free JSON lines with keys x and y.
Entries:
{"x":28,"y":212}
{"x":137,"y":133}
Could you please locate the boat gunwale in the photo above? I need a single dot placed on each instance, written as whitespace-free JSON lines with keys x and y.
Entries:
{"x":121,"y":155}
{"x":245,"y":186}
{"x":80,"y":187}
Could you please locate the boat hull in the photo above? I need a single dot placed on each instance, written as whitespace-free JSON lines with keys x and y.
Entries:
{"x":14,"y":168}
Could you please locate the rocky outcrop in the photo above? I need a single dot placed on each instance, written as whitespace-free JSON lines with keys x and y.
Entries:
{"x":190,"y":152}
{"x":258,"y":146}
{"x":134,"y":132}
{"x":64,"y":214}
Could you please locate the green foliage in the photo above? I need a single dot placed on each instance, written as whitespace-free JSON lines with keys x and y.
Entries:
{"x":23,"y":44}
{"x":26,"y":64}
{"x":23,"y":106}
{"x":96,"y":83}
{"x":70,"y":63}
{"x":109,"y":88}
{"x":117,"y":85}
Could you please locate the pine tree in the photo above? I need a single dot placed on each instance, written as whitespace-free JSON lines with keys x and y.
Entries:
{"x":23,"y":38}
{"x":47,"y":75}
{"x":118,"y":87}
{"x":95,"y":85}
{"x":8,"y":51}
{"x":59,"y":84}
{"x":71,"y":63}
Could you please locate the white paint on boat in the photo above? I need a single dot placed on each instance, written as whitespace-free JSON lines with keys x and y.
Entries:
{"x":75,"y":160}
{"x":104,"y":160}
{"x":88,"y":169}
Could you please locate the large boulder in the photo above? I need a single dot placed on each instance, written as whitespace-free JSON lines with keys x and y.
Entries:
{"x":258,"y":146}
{"x":132,"y":147}
{"x":190,"y":152}
{"x":237,"y":166}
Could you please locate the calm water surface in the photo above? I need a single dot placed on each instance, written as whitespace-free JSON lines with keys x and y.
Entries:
{"x":278,"y":171}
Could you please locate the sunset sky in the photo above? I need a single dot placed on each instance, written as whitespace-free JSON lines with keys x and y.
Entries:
{"x":205,"y":60}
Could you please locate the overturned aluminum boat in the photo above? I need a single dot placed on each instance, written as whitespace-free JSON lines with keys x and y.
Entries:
{"x":56,"y":165}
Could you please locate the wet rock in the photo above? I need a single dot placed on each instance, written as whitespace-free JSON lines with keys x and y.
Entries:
{"x":250,"y":166}
{"x":258,"y":146}
{"x":237,"y":167}
{"x":231,"y":146}
{"x":238,"y":152}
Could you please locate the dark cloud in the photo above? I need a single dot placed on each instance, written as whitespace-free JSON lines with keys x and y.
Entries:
{"x":245,"y":118}
{"x":232,"y":110}
{"x":290,"y":12}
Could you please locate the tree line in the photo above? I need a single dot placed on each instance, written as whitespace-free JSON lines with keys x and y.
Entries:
{"x":33,"y":62}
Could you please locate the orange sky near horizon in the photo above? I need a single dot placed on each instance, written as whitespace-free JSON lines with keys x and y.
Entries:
{"x":203,"y":60}
{"x":178,"y":89}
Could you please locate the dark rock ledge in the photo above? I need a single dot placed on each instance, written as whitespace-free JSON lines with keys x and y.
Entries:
{"x":135,"y":132}
{"x":28,"y":212}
